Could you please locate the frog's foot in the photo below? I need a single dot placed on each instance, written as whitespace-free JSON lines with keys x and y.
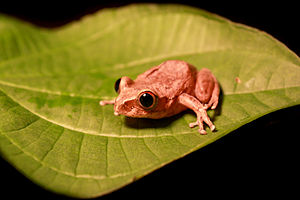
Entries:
{"x":201,"y":129}
{"x":200,"y":110}
{"x":193,"y":124}
{"x":106,"y":102}
{"x":202,"y":117}
{"x":212,"y":104}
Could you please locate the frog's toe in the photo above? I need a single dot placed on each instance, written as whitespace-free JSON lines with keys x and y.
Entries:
{"x":214,"y":105}
{"x":201,"y":128}
{"x":212,"y":127}
{"x":193,"y":124}
{"x":202,"y":131}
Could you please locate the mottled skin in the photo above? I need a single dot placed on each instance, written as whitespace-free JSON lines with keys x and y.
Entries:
{"x":177,"y":87}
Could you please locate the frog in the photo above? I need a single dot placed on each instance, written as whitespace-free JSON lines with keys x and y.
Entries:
{"x":166,"y":90}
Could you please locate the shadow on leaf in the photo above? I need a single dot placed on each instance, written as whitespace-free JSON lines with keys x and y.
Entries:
{"x":142,"y":123}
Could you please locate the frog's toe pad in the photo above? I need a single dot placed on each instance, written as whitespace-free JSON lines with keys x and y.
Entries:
{"x":193,"y":124}
{"x":202,"y":132}
{"x":212,"y":127}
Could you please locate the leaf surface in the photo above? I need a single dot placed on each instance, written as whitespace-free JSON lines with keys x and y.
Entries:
{"x":52,"y":128}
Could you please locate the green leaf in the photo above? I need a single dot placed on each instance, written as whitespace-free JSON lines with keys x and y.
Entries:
{"x":52,"y":128}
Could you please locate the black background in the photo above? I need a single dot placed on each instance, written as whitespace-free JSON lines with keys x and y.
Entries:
{"x":258,"y":160}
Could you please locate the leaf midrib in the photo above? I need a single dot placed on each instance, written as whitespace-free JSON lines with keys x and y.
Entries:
{"x":128,"y":135}
{"x":5,"y":83}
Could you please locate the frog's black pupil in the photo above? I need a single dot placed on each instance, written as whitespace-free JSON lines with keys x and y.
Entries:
{"x":146,"y":100}
{"x":117,"y":84}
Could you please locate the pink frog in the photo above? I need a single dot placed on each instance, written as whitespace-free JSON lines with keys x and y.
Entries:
{"x":166,"y":90}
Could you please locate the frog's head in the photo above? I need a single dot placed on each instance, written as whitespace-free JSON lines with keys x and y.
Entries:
{"x":134,"y":100}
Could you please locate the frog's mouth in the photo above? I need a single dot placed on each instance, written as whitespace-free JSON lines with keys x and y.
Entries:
{"x":123,"y":109}
{"x":130,"y":111}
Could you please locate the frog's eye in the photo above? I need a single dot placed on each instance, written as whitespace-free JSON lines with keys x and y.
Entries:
{"x":117,"y":85}
{"x":147,"y":100}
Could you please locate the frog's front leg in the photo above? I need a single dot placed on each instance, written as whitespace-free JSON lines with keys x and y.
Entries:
{"x":107,"y":102}
{"x":194,"y":104}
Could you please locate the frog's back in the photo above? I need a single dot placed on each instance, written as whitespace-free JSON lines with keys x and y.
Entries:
{"x":171,"y":78}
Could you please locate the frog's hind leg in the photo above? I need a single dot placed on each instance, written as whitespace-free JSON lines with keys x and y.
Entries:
{"x":207,"y":89}
{"x":194,"y":104}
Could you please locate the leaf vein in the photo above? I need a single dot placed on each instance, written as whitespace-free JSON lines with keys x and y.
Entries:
{"x":79,"y":153}
{"x":22,"y":128}
{"x":150,"y":150}
{"x":125,"y":155}
{"x":52,"y":147}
